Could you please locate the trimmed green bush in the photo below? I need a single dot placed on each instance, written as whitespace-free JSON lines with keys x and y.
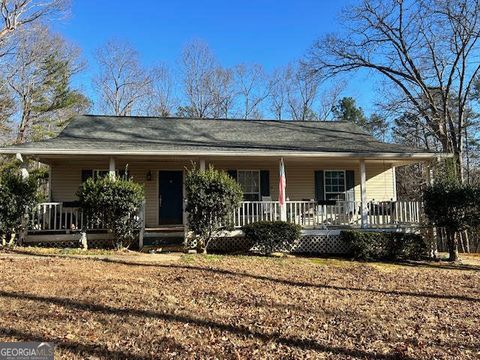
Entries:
{"x":385,"y":245}
{"x":268,"y":237}
{"x":114,"y":203}
{"x":212,"y":198}
{"x":17,"y":195}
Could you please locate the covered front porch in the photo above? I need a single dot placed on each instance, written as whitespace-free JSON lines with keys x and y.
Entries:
{"x":322,"y":193}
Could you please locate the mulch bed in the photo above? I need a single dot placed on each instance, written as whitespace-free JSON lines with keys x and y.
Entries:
{"x":241,"y":308}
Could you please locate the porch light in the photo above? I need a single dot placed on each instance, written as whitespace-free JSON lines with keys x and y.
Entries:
{"x":149,"y":175}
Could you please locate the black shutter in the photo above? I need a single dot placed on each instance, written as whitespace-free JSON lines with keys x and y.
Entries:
{"x":319,"y":186}
{"x":233,"y":174}
{"x":350,"y":184}
{"x":86,"y":174}
{"x":264,"y":183}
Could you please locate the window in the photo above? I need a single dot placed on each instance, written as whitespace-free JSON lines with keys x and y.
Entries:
{"x":335,"y":185}
{"x":249,"y":180}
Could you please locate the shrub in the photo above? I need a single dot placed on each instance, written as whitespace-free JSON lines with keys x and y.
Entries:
{"x":212,"y":198}
{"x":406,"y":246}
{"x":17,"y":195}
{"x":385,"y":245}
{"x":272,"y":236}
{"x":365,"y":245}
{"x":113,"y":203}
{"x":455,"y":207}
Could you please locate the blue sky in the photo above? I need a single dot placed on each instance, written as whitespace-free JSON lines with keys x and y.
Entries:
{"x":268,"y":32}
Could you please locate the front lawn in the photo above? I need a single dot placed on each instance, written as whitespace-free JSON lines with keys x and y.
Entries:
{"x":240,"y":307}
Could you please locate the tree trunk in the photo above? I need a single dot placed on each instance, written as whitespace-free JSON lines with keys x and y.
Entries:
{"x":452,"y":245}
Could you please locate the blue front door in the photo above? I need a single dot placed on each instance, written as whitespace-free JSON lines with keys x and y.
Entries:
{"x":170,"y":197}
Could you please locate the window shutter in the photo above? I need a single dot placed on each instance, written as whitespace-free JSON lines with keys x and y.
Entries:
{"x":350,"y":185}
{"x":264,"y":183}
{"x":319,"y":186}
{"x":233,"y":174}
{"x":86,"y":174}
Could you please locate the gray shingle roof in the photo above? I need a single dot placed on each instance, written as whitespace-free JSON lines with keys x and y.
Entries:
{"x":89,"y":133}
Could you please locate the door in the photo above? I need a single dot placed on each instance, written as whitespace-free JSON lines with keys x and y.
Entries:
{"x":170,"y":197}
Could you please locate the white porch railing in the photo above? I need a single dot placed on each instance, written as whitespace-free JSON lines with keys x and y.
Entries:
{"x":54,"y":216}
{"x":309,"y":214}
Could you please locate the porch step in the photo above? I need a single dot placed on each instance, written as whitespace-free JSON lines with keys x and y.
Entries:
{"x":164,"y":236}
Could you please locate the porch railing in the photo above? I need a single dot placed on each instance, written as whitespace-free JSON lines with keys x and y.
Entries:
{"x":309,"y":214}
{"x":54,"y":216}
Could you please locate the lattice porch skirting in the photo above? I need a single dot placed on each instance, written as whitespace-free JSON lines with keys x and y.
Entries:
{"x":311,"y":242}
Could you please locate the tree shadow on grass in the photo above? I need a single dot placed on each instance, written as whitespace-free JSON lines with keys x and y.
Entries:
{"x":300,"y":283}
{"x":290,"y":341}
{"x":277,"y":280}
{"x":441,"y":265}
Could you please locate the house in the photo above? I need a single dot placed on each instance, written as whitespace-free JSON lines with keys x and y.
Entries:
{"x":338,"y":176}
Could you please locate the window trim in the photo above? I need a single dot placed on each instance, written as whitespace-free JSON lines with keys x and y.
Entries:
{"x":259,"y":193}
{"x":325,"y":192}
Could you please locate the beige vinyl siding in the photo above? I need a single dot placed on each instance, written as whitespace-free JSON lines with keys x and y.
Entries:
{"x":66,"y":177}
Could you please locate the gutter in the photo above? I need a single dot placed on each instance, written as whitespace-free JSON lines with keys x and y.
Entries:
{"x":361,"y":155}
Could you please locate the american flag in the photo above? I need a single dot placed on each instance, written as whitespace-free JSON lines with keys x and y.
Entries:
{"x":282,"y":184}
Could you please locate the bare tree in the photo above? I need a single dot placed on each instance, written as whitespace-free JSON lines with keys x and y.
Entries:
{"x":208,"y":87}
{"x":222,"y":92}
{"x":301,"y":93}
{"x":7,"y":107}
{"x":428,"y":49}
{"x":252,"y":84}
{"x":278,"y":92}
{"x":15,"y":14}
{"x":162,"y":97}
{"x":39,"y":77}
{"x":122,"y":83}
{"x":328,"y":98}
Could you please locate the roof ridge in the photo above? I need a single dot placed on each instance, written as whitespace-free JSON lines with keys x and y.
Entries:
{"x":215,"y":119}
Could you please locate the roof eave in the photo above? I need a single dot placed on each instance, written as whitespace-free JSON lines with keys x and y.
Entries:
{"x":263,"y":153}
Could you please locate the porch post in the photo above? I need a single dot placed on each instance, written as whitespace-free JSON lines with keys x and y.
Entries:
{"x":282,"y":185}
{"x":111,"y":168}
{"x":23,"y":231}
{"x":429,"y":173}
{"x":431,"y":231}
{"x":394,"y":180}
{"x":363,"y":190}
{"x":23,"y":166}
{"x":202,"y":164}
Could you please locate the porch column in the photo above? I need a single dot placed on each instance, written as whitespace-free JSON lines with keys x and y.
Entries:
{"x":111,"y":168}
{"x":282,"y":191}
{"x":23,"y":166}
{"x":429,"y":173}
{"x":394,"y":180}
{"x":24,"y":172}
{"x":202,"y":164}
{"x":363,"y":191}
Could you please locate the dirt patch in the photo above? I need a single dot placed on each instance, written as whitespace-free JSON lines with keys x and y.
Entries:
{"x":240,"y":307}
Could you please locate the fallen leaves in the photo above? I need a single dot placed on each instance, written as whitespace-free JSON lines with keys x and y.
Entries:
{"x":240,"y":308}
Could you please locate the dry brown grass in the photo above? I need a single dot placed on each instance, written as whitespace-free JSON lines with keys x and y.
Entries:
{"x":241,"y":307}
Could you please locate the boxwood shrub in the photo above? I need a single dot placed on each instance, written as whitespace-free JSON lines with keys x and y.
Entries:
{"x":385,"y":245}
{"x":114,"y":204}
{"x":268,"y":237}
